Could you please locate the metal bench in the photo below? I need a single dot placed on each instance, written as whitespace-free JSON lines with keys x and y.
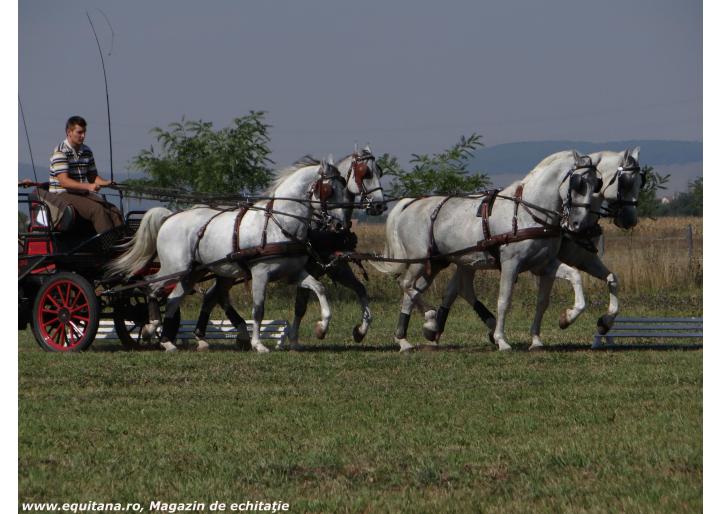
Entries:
{"x":275,"y":329}
{"x":650,"y":328}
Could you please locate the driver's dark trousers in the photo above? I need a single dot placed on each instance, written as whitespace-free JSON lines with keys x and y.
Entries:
{"x":101,"y":214}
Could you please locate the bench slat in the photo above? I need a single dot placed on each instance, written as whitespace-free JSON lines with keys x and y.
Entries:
{"x":651,"y":328}
{"x":216,"y":330}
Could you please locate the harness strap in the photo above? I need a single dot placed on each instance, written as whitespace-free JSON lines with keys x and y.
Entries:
{"x":432,"y":246}
{"x":486,"y":211}
{"x":236,"y":228}
{"x":201,"y":232}
{"x":268,"y":214}
{"x":518,"y":201}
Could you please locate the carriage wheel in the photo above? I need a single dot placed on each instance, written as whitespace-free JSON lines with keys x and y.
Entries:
{"x":130,"y":316}
{"x":66,"y":314}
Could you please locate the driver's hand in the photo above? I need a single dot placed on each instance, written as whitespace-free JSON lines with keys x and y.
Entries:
{"x":95,"y":187}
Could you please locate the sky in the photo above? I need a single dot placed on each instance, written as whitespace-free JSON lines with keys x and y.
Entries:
{"x":406,"y":77}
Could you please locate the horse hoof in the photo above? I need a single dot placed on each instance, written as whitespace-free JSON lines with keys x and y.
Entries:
{"x":536,"y":347}
{"x":429,"y":334}
{"x":491,"y":337}
{"x":168,"y":346}
{"x":203,"y":346}
{"x":602,"y":327}
{"x":564,"y":322}
{"x":357,"y":335}
{"x":405,"y":346}
{"x":244,"y":344}
{"x":261,"y":348}
{"x":319,"y":332}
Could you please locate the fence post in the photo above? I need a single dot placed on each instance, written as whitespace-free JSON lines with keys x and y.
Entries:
{"x":689,"y":237}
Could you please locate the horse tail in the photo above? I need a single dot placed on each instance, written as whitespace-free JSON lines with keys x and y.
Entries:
{"x":142,"y":246}
{"x":394,"y":248}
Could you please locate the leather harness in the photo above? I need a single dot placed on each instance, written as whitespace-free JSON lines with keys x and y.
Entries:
{"x":491,"y":243}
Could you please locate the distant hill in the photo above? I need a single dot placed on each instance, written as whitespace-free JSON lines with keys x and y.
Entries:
{"x":508,"y":162}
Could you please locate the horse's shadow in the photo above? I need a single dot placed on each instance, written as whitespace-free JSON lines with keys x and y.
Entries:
{"x":421,"y":348}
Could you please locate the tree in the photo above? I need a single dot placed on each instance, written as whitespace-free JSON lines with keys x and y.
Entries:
{"x":444,"y":173}
{"x":648,"y":203}
{"x":194,"y":157}
{"x":688,"y":203}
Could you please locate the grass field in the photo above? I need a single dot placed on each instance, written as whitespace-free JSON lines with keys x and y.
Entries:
{"x":342,"y":427}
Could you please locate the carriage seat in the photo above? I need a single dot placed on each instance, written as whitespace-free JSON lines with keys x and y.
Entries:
{"x":62,"y":217}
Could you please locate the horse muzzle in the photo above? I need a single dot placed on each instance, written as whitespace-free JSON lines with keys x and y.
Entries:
{"x":626,"y":218}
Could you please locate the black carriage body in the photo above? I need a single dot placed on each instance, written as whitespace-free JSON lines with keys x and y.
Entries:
{"x":60,"y":272}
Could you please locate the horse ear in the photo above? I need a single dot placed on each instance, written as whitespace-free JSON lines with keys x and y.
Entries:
{"x":367,"y":148}
{"x":576,"y":156}
{"x":636,"y":153}
{"x":331,"y":160}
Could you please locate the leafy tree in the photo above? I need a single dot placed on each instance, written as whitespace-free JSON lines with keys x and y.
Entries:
{"x":194,"y":157}
{"x":689,"y":203}
{"x":648,"y":203}
{"x":443,"y":173}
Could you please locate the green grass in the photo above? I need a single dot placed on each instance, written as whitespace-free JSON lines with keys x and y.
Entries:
{"x":361,"y":428}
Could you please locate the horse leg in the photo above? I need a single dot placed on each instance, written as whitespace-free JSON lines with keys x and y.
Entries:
{"x":210,"y":300}
{"x":302,"y":296}
{"x":259,"y":286}
{"x":243,"y":338}
{"x":150,"y":328}
{"x":467,"y":292}
{"x":508,"y":275}
{"x":219,"y":293}
{"x":343,"y":274}
{"x":573,"y":276}
{"x":590,"y":263}
{"x":307,"y":281}
{"x":414,"y":283}
{"x":434,"y":327}
{"x":171,"y":323}
{"x":545,"y":283}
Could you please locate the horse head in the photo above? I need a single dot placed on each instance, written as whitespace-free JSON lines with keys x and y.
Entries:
{"x":577,"y":189}
{"x":327,"y":196}
{"x":623,"y":190}
{"x":363,"y":180}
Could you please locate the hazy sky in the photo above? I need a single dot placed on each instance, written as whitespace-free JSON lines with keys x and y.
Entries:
{"x":408,"y":77}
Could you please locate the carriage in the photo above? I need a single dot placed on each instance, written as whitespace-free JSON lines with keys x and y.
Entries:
{"x":60,"y":276}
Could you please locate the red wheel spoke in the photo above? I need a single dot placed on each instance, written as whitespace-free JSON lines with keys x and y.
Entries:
{"x":59,"y":336}
{"x":67,"y":294}
{"x":81,"y":318}
{"x":80,"y":307}
{"x":45,"y":310}
{"x":49,"y":297}
{"x":79,"y":296}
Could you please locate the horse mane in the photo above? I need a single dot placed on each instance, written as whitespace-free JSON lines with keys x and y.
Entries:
{"x":547,"y":161}
{"x":282,"y":174}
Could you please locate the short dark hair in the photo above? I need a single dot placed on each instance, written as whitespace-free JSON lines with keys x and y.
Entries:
{"x":75,"y":120}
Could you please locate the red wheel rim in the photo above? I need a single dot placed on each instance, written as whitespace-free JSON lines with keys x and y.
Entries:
{"x":63,"y":315}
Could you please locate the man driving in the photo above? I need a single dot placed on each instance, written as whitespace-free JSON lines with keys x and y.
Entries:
{"x":74,"y":179}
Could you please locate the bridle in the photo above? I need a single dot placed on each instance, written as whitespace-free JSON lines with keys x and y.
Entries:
{"x":625,"y":178}
{"x":323,"y":187}
{"x":577,"y":176}
{"x":360,"y":170}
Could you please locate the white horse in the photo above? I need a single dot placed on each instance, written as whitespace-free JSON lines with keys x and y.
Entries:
{"x":267,"y":241}
{"x":623,"y":179}
{"x":362,"y":182}
{"x":522,"y":232}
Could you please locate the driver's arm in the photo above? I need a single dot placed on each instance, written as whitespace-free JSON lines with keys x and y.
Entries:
{"x":69,"y":183}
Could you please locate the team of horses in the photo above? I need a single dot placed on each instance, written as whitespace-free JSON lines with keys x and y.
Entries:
{"x":544,"y":223}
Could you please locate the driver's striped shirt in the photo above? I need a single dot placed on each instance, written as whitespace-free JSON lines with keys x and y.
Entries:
{"x":78,"y":165}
